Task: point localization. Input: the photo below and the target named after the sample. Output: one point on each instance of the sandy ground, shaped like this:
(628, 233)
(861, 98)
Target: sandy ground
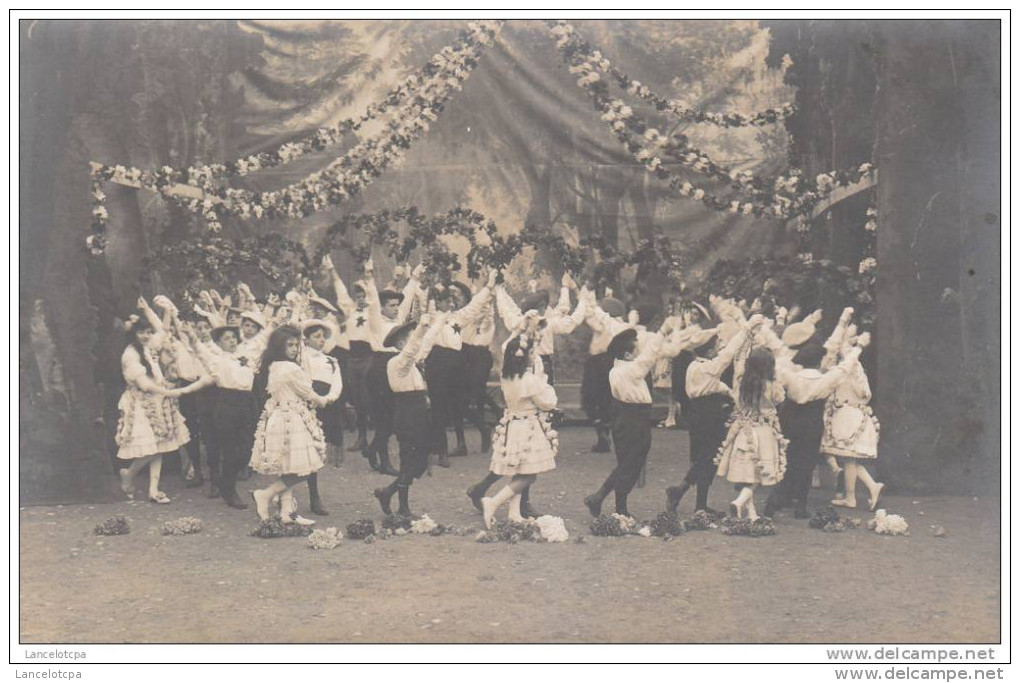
(224, 586)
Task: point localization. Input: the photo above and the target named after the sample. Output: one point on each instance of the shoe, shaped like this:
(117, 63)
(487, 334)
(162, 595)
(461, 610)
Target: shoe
(384, 496)
(771, 507)
(459, 452)
(843, 503)
(801, 513)
(873, 501)
(443, 460)
(476, 496)
(295, 518)
(601, 446)
(708, 511)
(673, 496)
(386, 468)
(234, 501)
(214, 490)
(315, 505)
(594, 505)
(529, 512)
(159, 498)
(195, 483)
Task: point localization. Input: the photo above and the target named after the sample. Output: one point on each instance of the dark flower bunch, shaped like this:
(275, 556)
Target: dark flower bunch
(613, 525)
(828, 520)
(763, 526)
(505, 531)
(667, 524)
(701, 521)
(361, 529)
(181, 527)
(395, 521)
(114, 526)
(275, 528)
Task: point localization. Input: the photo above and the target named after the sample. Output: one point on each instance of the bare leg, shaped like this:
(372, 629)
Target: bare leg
(155, 469)
(741, 500)
(874, 487)
(263, 496)
(850, 475)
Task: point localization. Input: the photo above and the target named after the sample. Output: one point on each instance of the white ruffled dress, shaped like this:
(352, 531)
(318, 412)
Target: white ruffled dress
(289, 438)
(851, 429)
(754, 450)
(524, 441)
(149, 423)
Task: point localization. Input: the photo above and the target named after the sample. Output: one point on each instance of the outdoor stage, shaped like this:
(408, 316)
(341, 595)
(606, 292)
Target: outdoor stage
(223, 586)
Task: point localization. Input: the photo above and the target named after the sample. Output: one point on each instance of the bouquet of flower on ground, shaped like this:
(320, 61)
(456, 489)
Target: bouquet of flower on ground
(114, 526)
(741, 526)
(275, 528)
(829, 520)
(181, 527)
(667, 525)
(361, 529)
(889, 525)
(325, 539)
(616, 524)
(546, 528)
(701, 520)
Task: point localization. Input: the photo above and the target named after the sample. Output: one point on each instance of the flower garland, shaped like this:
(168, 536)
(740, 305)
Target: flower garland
(781, 198)
(343, 178)
(565, 33)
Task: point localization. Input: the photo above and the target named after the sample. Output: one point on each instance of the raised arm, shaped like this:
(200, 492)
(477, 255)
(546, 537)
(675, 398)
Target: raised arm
(509, 312)
(476, 307)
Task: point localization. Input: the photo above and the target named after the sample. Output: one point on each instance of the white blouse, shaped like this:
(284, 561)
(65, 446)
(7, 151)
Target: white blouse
(627, 378)
(528, 393)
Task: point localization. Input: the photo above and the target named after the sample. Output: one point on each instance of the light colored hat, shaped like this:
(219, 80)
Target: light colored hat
(316, 299)
(255, 316)
(308, 325)
(798, 333)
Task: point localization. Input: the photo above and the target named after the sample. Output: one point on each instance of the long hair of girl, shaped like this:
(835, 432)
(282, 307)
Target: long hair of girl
(515, 359)
(758, 371)
(276, 350)
(132, 339)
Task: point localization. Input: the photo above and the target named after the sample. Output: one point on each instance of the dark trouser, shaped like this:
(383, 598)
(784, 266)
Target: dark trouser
(411, 423)
(235, 433)
(479, 365)
(381, 405)
(359, 361)
(707, 430)
(596, 396)
(330, 416)
(445, 377)
(632, 439)
(205, 412)
(802, 425)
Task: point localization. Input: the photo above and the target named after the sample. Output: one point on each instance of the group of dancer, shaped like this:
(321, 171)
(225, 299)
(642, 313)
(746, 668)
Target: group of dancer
(247, 385)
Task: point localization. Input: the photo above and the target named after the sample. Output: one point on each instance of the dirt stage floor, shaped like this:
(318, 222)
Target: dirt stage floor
(224, 586)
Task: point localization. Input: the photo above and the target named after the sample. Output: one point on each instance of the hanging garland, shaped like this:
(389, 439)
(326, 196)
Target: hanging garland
(565, 34)
(783, 197)
(210, 261)
(341, 179)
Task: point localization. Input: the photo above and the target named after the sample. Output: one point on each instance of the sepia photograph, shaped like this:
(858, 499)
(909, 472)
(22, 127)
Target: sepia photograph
(509, 329)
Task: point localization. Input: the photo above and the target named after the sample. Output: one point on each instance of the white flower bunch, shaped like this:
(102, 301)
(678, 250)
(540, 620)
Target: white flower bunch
(325, 539)
(890, 525)
(552, 528)
(867, 265)
(423, 525)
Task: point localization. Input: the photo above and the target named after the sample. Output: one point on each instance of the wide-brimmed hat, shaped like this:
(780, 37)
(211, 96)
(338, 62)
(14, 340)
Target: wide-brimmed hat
(255, 316)
(613, 306)
(316, 299)
(309, 326)
(622, 343)
(798, 333)
(398, 334)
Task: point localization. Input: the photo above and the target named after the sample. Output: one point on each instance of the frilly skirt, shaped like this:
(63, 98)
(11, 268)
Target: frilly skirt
(148, 424)
(754, 451)
(851, 431)
(524, 444)
(288, 440)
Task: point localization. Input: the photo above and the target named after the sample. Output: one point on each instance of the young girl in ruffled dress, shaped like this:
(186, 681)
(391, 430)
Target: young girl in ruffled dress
(289, 441)
(754, 451)
(524, 444)
(151, 422)
(851, 429)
